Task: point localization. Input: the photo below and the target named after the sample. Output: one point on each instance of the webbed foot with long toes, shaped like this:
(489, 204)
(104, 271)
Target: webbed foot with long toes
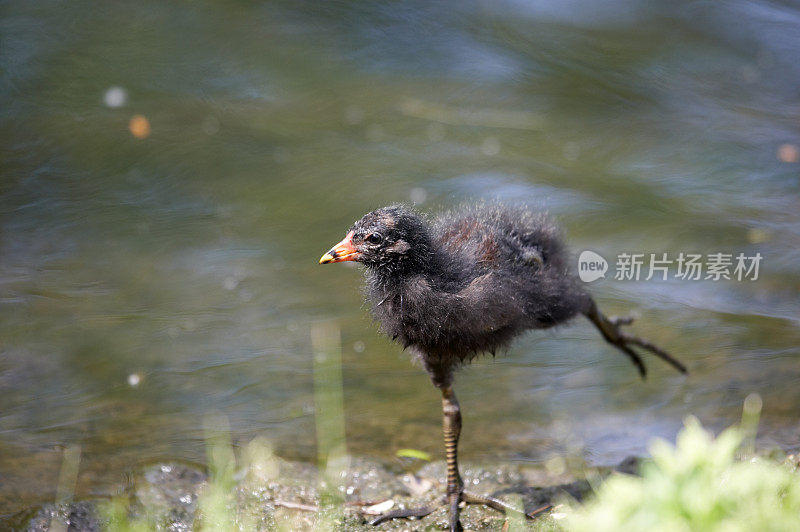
(611, 329)
(455, 496)
(454, 505)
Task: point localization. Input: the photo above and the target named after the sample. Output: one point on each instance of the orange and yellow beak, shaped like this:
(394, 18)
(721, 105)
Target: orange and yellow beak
(342, 251)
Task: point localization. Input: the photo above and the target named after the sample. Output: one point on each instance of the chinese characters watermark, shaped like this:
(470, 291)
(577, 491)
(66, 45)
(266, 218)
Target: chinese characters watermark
(662, 266)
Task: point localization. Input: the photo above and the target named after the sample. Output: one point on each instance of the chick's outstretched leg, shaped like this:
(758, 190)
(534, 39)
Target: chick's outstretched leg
(611, 329)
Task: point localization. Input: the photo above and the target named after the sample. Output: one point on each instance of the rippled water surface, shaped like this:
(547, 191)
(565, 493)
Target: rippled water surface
(158, 270)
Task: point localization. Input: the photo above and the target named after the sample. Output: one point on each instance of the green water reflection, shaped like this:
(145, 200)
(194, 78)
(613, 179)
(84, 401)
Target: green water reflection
(188, 259)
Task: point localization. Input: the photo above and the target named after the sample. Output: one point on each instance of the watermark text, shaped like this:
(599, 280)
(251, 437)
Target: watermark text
(663, 266)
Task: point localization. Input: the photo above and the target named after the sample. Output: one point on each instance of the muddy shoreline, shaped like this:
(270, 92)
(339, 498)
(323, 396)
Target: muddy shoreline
(285, 494)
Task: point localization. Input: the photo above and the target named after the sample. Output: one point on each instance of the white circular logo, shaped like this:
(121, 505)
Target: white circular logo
(591, 266)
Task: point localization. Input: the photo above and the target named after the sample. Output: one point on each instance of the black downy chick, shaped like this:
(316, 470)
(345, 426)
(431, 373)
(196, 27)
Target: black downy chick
(466, 284)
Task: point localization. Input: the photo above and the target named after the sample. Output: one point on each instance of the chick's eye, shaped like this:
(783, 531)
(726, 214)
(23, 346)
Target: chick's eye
(374, 238)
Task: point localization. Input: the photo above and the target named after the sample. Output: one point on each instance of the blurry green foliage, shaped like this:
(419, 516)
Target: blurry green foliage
(699, 484)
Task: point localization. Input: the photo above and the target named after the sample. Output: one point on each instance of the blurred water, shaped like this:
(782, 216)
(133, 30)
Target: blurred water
(185, 262)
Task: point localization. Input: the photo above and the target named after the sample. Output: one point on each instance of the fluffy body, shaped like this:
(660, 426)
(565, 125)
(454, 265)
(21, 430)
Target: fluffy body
(467, 282)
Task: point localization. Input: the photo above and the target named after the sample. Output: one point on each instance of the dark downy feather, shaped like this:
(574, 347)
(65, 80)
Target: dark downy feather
(468, 282)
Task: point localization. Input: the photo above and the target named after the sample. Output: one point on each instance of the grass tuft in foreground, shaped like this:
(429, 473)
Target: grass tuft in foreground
(701, 483)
